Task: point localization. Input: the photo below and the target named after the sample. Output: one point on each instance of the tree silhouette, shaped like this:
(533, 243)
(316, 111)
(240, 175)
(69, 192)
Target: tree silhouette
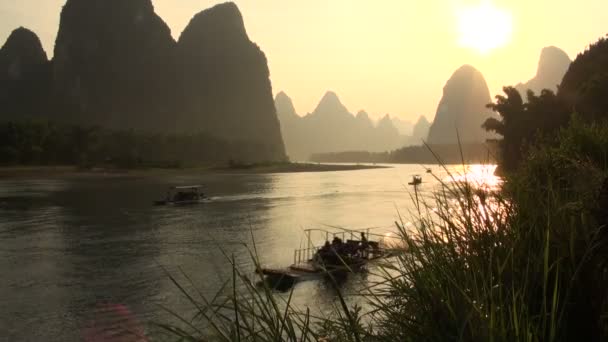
(512, 111)
(522, 123)
(585, 85)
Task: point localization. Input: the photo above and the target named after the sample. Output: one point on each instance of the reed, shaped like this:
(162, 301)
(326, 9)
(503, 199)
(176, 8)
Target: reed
(526, 263)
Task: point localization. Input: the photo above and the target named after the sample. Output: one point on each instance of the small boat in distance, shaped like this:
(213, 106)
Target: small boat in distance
(184, 195)
(416, 180)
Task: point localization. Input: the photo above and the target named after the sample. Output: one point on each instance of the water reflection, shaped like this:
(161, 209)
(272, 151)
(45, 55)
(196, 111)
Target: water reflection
(32, 293)
(69, 247)
(479, 176)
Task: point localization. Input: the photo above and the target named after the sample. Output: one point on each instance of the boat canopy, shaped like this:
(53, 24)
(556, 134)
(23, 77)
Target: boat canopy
(187, 187)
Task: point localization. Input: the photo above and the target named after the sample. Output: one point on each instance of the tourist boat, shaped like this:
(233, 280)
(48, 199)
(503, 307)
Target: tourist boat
(416, 180)
(184, 195)
(349, 251)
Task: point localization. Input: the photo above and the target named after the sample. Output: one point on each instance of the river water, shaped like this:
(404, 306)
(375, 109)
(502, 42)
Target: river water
(70, 246)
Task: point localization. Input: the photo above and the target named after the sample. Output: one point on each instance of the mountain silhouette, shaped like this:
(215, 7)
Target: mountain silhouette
(364, 121)
(552, 66)
(292, 127)
(24, 75)
(21, 51)
(331, 127)
(462, 109)
(421, 129)
(386, 127)
(113, 64)
(285, 108)
(405, 127)
(117, 65)
(226, 82)
(331, 108)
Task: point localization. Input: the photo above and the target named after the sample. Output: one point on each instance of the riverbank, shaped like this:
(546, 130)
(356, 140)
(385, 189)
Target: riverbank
(524, 262)
(294, 168)
(66, 171)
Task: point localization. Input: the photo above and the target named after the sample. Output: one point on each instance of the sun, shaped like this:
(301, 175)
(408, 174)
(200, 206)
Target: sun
(484, 27)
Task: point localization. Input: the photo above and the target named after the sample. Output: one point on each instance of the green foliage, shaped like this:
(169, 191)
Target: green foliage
(561, 189)
(32, 142)
(586, 141)
(585, 84)
(526, 263)
(48, 143)
(248, 310)
(583, 90)
(522, 123)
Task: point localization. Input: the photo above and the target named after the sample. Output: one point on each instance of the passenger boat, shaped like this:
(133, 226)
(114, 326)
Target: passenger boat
(349, 251)
(184, 195)
(416, 180)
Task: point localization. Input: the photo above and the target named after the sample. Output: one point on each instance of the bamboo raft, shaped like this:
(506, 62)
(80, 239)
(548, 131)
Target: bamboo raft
(305, 267)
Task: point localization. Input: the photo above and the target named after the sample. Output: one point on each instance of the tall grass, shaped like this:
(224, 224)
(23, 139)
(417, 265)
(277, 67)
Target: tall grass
(248, 309)
(527, 263)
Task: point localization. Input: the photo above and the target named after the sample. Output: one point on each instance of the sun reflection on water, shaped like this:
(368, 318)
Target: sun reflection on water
(478, 176)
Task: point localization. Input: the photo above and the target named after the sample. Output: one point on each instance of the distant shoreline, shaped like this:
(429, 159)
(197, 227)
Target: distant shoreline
(298, 167)
(63, 172)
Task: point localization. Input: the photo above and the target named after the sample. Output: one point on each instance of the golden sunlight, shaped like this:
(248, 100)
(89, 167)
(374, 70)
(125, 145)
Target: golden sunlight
(484, 27)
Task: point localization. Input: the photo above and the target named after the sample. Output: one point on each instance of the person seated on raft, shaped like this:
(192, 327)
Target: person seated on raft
(179, 196)
(336, 242)
(185, 196)
(326, 247)
(346, 252)
(363, 247)
(343, 250)
(331, 254)
(325, 250)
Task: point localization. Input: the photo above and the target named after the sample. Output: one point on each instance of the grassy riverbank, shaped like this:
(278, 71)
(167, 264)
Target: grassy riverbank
(527, 263)
(28, 172)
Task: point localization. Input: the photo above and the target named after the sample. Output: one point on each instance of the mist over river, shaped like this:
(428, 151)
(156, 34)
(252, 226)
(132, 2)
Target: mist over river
(69, 245)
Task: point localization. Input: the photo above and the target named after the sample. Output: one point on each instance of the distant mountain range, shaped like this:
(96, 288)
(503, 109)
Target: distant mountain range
(405, 127)
(463, 108)
(331, 127)
(421, 130)
(117, 65)
(552, 67)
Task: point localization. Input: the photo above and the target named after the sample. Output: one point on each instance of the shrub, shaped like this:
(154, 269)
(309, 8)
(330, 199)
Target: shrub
(526, 263)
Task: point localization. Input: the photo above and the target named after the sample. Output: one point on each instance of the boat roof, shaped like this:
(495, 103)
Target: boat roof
(185, 187)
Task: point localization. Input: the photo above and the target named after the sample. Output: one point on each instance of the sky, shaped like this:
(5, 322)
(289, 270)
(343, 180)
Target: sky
(382, 56)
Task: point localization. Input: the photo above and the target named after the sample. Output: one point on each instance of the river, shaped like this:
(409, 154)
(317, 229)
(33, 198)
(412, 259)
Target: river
(69, 245)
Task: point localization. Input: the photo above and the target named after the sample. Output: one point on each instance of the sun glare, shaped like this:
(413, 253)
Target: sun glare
(484, 27)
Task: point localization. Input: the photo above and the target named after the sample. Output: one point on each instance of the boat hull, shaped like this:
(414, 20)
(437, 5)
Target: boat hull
(181, 203)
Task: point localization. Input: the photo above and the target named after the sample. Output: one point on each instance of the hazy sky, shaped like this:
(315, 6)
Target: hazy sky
(384, 56)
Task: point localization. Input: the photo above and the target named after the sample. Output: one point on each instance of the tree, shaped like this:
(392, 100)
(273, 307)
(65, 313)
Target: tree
(522, 123)
(85, 140)
(512, 111)
(585, 85)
